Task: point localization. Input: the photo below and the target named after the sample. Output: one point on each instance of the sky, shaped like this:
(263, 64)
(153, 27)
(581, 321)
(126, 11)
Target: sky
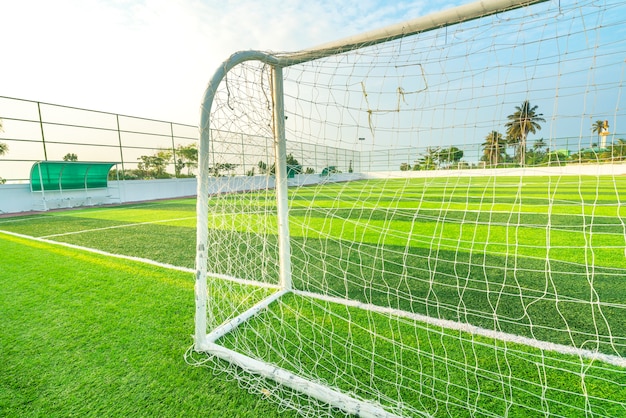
(153, 58)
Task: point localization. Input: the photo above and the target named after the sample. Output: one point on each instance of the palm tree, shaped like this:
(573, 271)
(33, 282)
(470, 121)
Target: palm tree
(494, 148)
(523, 121)
(539, 144)
(597, 128)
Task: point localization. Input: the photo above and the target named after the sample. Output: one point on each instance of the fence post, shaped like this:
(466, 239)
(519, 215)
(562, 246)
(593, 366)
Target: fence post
(43, 137)
(176, 175)
(119, 140)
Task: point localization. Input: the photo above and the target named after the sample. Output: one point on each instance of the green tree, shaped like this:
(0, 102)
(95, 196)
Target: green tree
(429, 160)
(155, 165)
(618, 149)
(186, 156)
(265, 169)
(494, 149)
(70, 156)
(537, 156)
(523, 121)
(218, 169)
(230, 168)
(293, 165)
(179, 164)
(540, 145)
(450, 156)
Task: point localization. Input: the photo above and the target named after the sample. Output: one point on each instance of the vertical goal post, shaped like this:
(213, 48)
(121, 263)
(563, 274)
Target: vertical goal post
(301, 291)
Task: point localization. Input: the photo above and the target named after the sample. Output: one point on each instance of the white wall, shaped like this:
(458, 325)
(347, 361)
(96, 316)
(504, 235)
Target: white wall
(615, 169)
(141, 190)
(307, 179)
(15, 198)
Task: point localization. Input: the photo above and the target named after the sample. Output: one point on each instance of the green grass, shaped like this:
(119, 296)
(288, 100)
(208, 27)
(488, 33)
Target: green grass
(434, 370)
(540, 257)
(88, 335)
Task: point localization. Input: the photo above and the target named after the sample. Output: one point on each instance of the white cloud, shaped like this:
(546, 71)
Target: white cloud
(152, 58)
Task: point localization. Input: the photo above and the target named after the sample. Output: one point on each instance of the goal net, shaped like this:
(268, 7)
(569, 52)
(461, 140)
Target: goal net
(423, 220)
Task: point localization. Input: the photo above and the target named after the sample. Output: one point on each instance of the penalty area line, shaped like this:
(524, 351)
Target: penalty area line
(117, 226)
(142, 260)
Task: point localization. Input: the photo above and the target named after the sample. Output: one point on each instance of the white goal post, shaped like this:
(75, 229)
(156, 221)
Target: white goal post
(377, 235)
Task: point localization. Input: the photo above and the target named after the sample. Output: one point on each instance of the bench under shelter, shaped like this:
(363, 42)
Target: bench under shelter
(66, 184)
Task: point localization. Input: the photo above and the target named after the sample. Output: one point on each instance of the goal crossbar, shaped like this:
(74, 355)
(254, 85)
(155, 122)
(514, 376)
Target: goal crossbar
(455, 15)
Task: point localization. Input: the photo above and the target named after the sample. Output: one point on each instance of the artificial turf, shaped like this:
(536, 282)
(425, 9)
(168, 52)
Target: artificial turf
(88, 335)
(536, 257)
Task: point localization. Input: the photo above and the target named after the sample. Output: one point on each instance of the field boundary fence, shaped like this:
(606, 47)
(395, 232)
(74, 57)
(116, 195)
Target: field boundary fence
(37, 131)
(148, 148)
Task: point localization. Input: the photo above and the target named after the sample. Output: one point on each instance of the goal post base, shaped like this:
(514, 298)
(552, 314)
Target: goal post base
(319, 391)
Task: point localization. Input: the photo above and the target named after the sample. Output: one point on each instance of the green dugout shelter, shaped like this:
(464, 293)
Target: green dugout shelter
(59, 176)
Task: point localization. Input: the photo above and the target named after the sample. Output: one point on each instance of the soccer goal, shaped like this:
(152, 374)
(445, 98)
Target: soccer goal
(423, 220)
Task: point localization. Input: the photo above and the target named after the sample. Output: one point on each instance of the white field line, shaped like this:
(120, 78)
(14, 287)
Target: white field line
(20, 219)
(100, 252)
(297, 208)
(443, 323)
(471, 329)
(142, 260)
(118, 226)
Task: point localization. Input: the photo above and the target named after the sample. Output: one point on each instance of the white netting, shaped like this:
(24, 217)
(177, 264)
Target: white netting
(456, 230)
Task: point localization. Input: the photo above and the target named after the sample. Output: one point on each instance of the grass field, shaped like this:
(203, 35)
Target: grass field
(86, 333)
(89, 335)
